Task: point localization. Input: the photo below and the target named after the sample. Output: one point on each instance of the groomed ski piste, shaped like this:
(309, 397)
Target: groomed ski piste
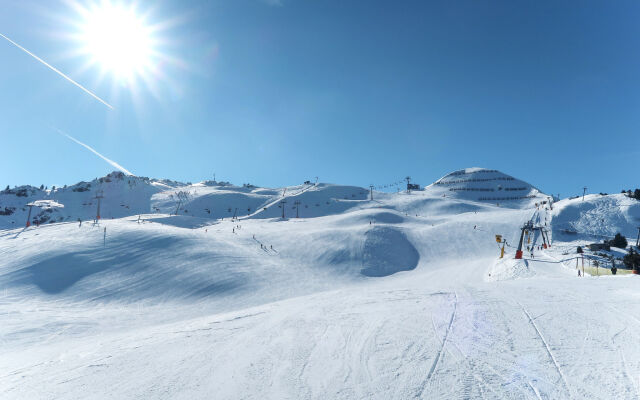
(396, 297)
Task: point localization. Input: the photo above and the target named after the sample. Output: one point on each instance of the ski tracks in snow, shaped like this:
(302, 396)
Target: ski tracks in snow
(549, 352)
(436, 361)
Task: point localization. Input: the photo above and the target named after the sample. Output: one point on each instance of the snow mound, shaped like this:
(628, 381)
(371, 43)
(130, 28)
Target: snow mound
(387, 251)
(375, 216)
(508, 269)
(597, 217)
(180, 221)
(486, 185)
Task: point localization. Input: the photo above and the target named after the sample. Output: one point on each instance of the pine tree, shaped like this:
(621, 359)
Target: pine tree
(618, 241)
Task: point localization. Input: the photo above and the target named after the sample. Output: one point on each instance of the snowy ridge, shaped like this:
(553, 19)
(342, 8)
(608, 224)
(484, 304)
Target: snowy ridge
(123, 196)
(130, 196)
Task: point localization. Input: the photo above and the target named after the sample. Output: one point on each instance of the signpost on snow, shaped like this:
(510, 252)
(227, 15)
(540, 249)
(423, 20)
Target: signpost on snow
(503, 242)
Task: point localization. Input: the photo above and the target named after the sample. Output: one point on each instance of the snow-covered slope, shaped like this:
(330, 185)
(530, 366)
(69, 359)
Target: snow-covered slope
(596, 217)
(399, 297)
(215, 201)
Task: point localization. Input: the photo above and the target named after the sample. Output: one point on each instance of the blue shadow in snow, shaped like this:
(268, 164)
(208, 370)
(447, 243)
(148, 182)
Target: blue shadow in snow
(129, 268)
(56, 274)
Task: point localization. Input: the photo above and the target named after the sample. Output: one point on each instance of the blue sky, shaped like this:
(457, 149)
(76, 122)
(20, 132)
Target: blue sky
(355, 92)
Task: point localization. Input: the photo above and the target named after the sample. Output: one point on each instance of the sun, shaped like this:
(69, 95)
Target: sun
(117, 39)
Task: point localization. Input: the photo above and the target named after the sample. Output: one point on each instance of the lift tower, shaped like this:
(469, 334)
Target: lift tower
(297, 203)
(29, 216)
(99, 197)
(529, 227)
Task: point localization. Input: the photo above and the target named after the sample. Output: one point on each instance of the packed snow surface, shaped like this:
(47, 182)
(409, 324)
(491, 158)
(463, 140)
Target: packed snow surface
(398, 297)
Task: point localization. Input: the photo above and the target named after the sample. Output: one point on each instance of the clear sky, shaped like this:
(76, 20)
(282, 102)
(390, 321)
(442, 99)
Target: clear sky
(356, 92)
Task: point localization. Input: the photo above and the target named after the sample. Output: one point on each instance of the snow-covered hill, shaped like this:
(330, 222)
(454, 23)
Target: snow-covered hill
(596, 217)
(402, 296)
(123, 196)
(486, 185)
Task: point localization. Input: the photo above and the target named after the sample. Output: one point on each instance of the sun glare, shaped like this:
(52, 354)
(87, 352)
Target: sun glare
(117, 39)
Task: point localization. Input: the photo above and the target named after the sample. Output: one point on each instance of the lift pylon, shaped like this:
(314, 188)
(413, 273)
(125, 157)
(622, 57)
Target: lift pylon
(29, 216)
(529, 229)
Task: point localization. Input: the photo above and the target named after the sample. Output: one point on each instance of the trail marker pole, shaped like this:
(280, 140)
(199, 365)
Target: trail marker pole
(105, 237)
